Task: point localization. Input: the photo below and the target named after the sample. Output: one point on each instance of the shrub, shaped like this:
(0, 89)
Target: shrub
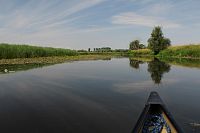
(141, 52)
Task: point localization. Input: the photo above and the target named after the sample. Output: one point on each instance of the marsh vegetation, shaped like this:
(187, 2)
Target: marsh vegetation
(11, 51)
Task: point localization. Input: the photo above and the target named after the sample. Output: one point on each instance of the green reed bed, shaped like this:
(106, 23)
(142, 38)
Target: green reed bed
(187, 51)
(8, 51)
(140, 52)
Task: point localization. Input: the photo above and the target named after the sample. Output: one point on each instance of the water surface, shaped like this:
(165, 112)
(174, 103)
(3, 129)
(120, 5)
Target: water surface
(104, 96)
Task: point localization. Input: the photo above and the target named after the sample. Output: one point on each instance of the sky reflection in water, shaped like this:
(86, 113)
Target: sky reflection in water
(95, 96)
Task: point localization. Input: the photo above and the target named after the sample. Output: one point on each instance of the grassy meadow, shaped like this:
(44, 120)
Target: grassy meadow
(10, 51)
(184, 51)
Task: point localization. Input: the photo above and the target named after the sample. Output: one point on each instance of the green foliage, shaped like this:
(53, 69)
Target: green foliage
(103, 49)
(134, 45)
(141, 52)
(121, 50)
(142, 46)
(157, 41)
(188, 51)
(82, 50)
(8, 51)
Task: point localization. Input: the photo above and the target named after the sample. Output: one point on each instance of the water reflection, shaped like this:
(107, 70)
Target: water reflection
(94, 96)
(190, 63)
(155, 67)
(108, 59)
(135, 63)
(19, 67)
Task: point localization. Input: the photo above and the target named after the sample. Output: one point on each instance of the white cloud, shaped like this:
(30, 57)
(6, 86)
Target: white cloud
(65, 23)
(133, 87)
(42, 22)
(132, 18)
(45, 15)
(157, 9)
(69, 11)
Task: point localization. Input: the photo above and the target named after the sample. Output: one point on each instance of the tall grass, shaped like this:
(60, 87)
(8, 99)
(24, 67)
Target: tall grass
(188, 51)
(141, 52)
(8, 51)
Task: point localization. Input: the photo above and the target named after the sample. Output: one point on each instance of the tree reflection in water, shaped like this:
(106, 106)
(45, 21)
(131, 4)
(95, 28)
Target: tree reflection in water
(157, 68)
(135, 63)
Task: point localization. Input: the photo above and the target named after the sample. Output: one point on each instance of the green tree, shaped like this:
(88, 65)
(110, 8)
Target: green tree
(142, 46)
(134, 45)
(157, 41)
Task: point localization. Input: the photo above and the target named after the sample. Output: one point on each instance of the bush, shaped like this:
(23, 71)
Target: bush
(141, 52)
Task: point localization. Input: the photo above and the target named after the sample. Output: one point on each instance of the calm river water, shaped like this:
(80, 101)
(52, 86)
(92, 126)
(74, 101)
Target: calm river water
(104, 96)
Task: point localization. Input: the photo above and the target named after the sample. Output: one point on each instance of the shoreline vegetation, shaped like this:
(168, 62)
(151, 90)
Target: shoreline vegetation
(185, 51)
(55, 59)
(183, 62)
(11, 51)
(25, 54)
(22, 64)
(158, 47)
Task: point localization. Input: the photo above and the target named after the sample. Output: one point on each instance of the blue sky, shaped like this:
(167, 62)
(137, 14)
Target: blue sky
(80, 24)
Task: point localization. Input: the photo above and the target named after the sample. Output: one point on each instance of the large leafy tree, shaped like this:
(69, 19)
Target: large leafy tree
(157, 41)
(134, 45)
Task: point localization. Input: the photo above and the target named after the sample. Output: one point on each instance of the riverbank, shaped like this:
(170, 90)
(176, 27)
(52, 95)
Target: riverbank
(55, 59)
(184, 62)
(24, 54)
(186, 51)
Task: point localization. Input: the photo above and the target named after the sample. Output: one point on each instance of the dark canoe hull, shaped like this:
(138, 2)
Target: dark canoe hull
(156, 106)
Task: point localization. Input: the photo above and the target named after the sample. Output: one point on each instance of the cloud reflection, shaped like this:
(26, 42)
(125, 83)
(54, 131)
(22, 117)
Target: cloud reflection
(134, 87)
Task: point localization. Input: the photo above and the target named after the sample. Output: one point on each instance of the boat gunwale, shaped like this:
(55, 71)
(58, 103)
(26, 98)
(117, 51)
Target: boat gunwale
(154, 100)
